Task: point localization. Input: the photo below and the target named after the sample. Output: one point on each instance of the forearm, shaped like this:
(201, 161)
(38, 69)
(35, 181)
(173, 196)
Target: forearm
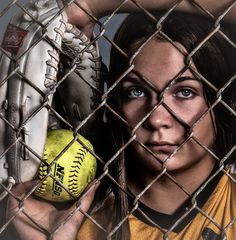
(77, 11)
(219, 7)
(102, 8)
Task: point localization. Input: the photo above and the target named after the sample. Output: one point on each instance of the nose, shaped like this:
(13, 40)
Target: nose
(159, 118)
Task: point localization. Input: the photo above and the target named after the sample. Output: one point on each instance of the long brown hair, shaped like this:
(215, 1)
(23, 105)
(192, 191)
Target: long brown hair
(215, 61)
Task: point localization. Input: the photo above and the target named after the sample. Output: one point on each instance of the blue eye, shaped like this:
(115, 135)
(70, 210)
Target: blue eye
(135, 93)
(185, 93)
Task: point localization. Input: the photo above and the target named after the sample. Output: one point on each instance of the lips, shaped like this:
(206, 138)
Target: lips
(161, 147)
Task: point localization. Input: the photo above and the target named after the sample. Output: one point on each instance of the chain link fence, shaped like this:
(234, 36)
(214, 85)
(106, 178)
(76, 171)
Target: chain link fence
(115, 134)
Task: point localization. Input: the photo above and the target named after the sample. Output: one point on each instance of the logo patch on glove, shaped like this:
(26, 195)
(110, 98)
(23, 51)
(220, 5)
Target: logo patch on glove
(13, 38)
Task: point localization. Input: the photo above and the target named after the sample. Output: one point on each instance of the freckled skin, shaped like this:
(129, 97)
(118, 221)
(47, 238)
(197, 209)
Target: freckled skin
(160, 62)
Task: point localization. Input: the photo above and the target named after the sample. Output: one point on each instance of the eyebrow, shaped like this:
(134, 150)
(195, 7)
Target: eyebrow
(137, 77)
(185, 78)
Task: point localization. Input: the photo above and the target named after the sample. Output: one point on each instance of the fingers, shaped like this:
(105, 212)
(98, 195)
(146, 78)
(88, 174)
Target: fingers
(83, 205)
(74, 216)
(89, 194)
(62, 224)
(80, 18)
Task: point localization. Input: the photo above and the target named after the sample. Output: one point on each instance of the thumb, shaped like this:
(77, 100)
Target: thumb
(70, 223)
(78, 210)
(84, 203)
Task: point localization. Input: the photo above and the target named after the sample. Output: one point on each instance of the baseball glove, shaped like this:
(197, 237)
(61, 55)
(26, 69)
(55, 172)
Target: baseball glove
(38, 48)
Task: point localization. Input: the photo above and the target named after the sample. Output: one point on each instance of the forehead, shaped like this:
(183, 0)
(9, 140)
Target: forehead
(160, 62)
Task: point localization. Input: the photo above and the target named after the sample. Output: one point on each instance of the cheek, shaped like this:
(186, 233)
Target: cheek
(204, 131)
(189, 111)
(196, 116)
(133, 113)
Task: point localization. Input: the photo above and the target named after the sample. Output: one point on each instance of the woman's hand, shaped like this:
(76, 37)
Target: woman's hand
(80, 13)
(46, 215)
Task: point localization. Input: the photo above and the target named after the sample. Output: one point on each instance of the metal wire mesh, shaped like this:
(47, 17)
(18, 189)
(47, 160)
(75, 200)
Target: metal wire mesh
(106, 119)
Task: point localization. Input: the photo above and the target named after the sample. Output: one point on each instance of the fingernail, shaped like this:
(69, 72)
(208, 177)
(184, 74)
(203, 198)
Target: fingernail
(93, 185)
(97, 184)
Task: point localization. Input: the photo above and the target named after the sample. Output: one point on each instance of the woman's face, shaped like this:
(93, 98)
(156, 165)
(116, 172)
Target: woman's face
(159, 62)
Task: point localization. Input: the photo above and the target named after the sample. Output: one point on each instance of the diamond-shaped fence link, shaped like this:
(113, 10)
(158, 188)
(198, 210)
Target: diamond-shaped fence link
(159, 117)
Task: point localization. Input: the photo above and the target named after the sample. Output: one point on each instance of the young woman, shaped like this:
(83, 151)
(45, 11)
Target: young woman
(173, 171)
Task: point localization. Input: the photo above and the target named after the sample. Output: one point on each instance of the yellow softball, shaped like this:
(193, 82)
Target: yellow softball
(71, 172)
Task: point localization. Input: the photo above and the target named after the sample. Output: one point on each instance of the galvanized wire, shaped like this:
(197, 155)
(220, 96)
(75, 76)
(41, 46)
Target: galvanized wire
(106, 164)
